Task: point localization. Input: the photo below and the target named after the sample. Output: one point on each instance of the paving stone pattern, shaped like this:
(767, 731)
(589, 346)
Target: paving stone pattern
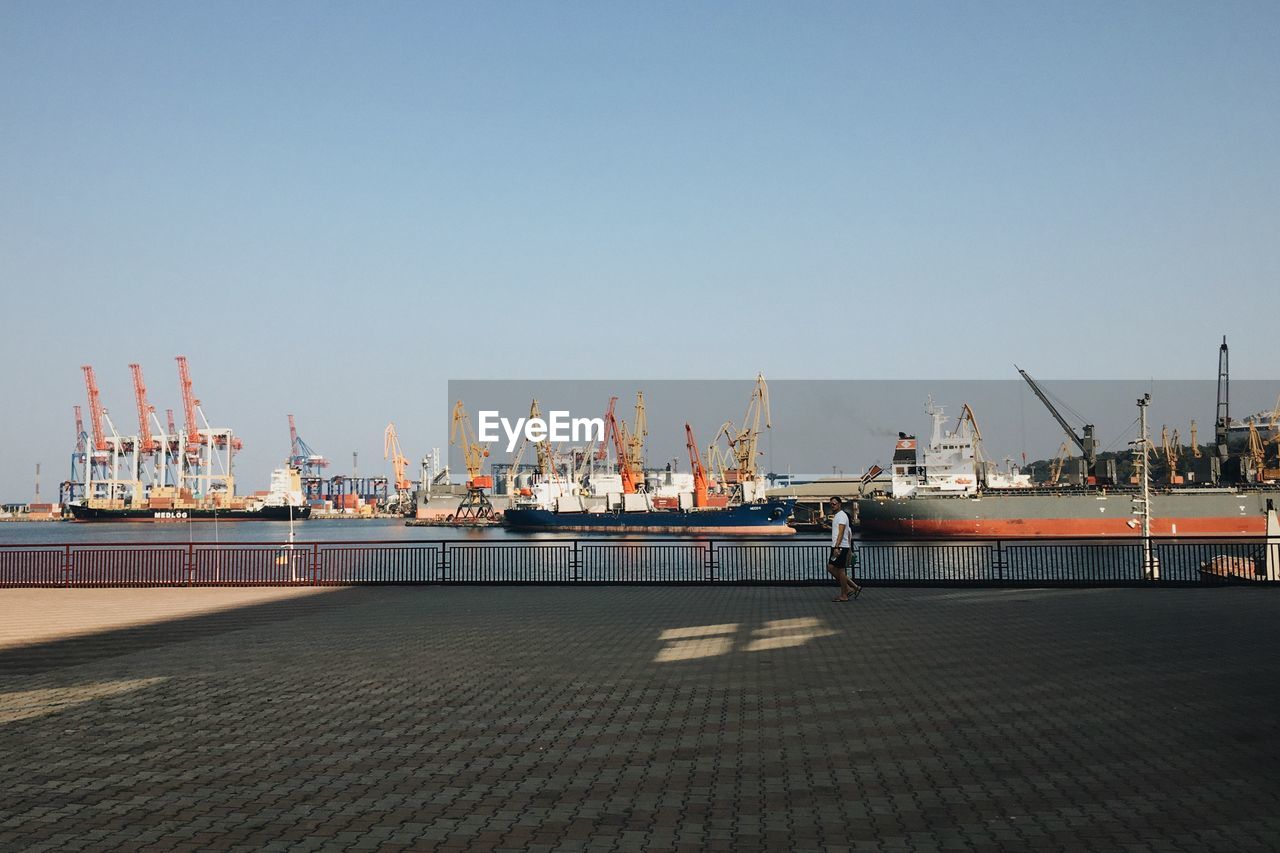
(656, 718)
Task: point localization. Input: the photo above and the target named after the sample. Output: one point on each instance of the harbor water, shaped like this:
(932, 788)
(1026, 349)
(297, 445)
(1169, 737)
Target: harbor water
(655, 558)
(326, 530)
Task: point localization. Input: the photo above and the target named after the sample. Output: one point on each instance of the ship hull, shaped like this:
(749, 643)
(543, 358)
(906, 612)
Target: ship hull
(768, 518)
(80, 512)
(1204, 513)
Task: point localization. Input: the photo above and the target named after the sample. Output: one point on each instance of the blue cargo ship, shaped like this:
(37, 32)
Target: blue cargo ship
(765, 517)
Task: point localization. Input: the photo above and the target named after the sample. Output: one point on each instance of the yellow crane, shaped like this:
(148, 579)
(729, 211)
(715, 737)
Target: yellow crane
(634, 440)
(391, 451)
(475, 507)
(1257, 450)
(1171, 448)
(1274, 473)
(546, 456)
(1055, 467)
(718, 462)
(1195, 443)
(744, 443)
(462, 436)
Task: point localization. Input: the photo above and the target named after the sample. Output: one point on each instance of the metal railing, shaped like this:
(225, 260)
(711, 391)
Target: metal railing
(739, 560)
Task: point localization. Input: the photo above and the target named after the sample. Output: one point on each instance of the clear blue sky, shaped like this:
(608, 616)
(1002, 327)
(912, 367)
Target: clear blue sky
(334, 208)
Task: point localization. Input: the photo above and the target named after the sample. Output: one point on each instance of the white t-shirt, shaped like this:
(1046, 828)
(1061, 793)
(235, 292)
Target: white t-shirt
(847, 540)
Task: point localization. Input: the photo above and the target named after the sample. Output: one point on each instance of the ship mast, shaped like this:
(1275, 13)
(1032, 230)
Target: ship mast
(1142, 502)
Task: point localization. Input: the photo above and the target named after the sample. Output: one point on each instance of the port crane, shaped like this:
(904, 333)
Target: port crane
(635, 441)
(189, 405)
(718, 462)
(208, 451)
(546, 455)
(1171, 449)
(475, 507)
(744, 442)
(1273, 473)
(1257, 452)
(618, 433)
(73, 488)
(581, 464)
(602, 452)
(301, 457)
(1084, 439)
(146, 444)
(695, 465)
(102, 473)
(173, 446)
(391, 451)
(155, 450)
(95, 409)
(1055, 467)
(113, 462)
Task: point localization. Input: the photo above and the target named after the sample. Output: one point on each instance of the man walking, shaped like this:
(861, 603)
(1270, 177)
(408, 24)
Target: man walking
(841, 548)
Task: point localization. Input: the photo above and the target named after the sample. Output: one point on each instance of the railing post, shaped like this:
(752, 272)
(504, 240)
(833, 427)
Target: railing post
(189, 569)
(66, 565)
(315, 563)
(575, 562)
(999, 560)
(1150, 561)
(444, 561)
(711, 560)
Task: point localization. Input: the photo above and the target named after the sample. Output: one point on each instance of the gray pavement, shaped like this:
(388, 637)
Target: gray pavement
(655, 718)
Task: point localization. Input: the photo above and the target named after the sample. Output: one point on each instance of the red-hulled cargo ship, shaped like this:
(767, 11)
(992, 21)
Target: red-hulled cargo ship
(1062, 513)
(956, 494)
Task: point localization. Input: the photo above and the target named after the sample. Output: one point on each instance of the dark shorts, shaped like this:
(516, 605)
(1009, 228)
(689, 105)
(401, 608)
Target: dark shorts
(841, 560)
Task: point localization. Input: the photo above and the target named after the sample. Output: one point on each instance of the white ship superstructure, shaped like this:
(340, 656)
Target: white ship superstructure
(952, 464)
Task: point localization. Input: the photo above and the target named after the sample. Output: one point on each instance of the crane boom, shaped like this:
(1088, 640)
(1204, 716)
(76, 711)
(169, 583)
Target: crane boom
(301, 456)
(1257, 451)
(95, 408)
(81, 438)
(602, 452)
(546, 456)
(635, 440)
(189, 404)
(744, 442)
(146, 443)
(1053, 410)
(473, 452)
(1086, 442)
(618, 432)
(391, 450)
(695, 464)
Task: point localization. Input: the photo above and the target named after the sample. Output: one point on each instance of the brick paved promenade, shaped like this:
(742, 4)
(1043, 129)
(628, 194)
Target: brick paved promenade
(645, 718)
